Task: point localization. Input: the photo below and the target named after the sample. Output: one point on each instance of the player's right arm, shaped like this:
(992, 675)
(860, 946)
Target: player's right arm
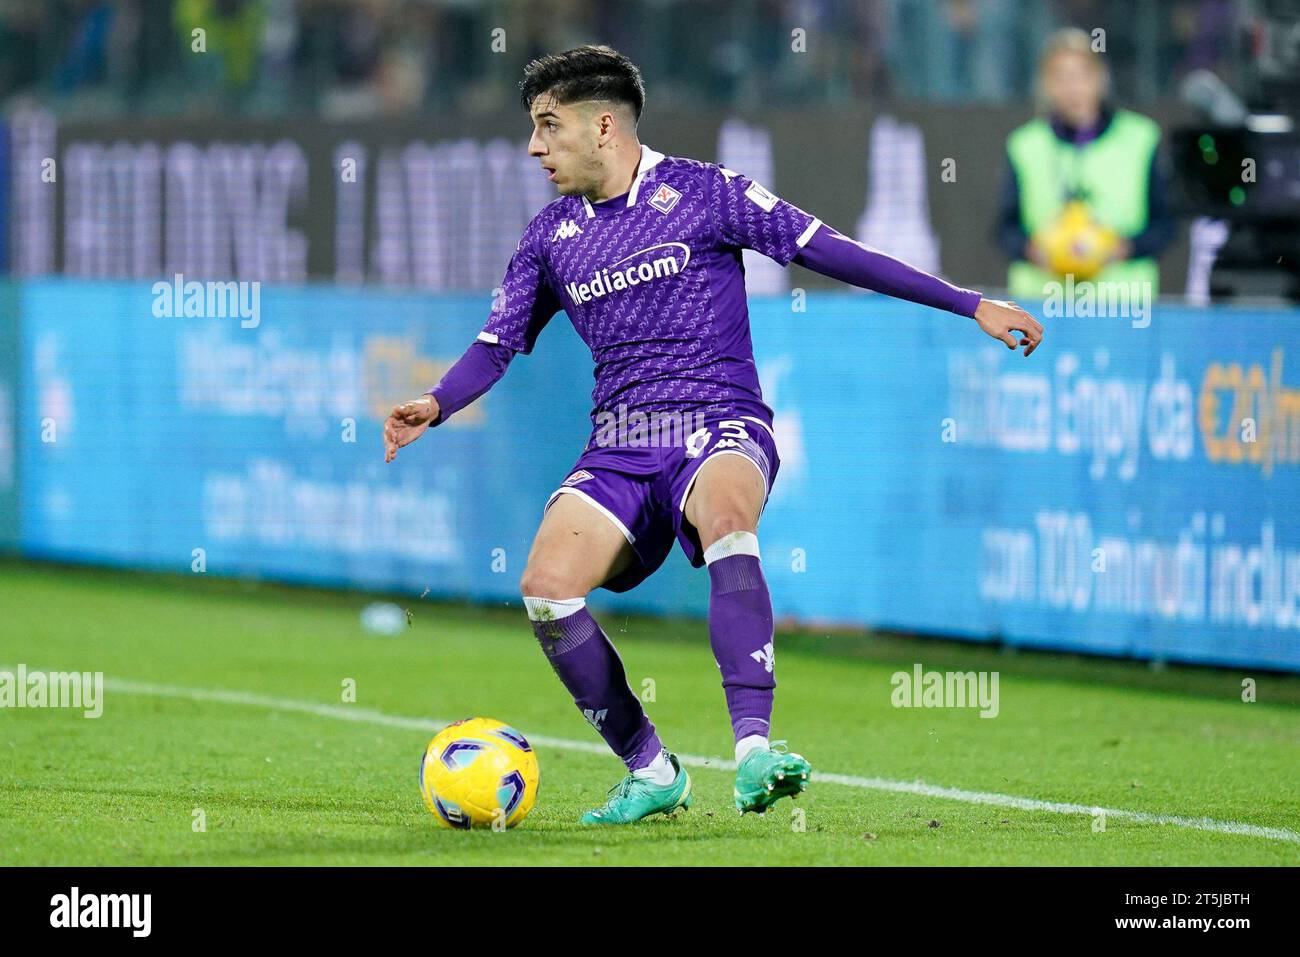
(473, 374)
(522, 307)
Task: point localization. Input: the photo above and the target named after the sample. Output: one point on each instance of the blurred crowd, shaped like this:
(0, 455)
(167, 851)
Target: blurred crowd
(351, 58)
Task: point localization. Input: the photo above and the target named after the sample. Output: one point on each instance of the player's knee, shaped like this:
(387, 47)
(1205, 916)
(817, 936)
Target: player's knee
(538, 581)
(724, 521)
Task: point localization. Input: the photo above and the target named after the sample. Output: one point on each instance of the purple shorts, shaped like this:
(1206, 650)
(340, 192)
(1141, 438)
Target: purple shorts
(643, 490)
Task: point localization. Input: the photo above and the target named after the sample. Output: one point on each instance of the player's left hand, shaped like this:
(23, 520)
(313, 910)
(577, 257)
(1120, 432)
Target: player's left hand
(1002, 320)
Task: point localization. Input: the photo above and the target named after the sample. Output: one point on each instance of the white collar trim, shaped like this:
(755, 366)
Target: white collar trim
(649, 160)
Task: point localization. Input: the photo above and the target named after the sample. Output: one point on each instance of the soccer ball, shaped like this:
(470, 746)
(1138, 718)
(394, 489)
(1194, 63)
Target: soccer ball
(1076, 243)
(479, 773)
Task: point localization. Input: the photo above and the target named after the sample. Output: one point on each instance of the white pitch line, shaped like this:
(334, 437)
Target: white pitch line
(368, 716)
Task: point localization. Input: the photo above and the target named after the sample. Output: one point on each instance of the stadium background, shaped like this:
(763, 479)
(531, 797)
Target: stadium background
(364, 163)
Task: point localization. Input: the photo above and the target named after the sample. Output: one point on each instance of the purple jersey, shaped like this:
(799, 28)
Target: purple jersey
(653, 283)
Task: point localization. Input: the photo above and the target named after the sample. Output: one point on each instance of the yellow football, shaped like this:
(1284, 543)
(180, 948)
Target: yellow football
(479, 773)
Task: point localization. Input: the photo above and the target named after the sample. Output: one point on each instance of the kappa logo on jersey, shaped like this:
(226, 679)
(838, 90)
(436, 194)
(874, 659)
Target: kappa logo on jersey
(760, 197)
(567, 230)
(665, 198)
(597, 718)
(766, 657)
(579, 476)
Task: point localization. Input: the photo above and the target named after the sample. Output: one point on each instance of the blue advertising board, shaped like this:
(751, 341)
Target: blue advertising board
(1130, 489)
(9, 366)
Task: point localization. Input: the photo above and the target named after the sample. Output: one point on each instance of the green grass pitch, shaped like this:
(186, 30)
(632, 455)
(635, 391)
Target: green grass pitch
(225, 698)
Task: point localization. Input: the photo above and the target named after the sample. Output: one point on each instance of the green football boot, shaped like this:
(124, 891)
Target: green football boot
(766, 775)
(632, 798)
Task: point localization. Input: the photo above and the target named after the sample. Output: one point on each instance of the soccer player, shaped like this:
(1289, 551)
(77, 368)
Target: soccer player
(643, 252)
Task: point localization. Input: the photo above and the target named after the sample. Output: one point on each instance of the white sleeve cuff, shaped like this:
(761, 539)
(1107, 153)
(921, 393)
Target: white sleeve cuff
(807, 234)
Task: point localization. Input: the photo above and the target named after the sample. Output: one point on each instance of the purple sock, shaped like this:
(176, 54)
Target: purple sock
(585, 660)
(740, 631)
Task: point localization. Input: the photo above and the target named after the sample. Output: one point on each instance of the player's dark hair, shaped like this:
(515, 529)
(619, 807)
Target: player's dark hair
(584, 73)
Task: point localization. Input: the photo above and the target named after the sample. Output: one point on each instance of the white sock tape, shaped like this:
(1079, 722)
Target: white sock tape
(552, 609)
(736, 543)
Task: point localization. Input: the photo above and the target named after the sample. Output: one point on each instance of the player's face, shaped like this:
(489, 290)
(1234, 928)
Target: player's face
(1073, 85)
(565, 141)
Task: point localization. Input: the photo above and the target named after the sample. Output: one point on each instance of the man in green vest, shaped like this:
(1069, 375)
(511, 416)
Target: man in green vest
(1082, 156)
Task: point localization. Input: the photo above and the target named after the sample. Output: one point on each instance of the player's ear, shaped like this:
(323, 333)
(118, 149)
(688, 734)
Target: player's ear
(606, 126)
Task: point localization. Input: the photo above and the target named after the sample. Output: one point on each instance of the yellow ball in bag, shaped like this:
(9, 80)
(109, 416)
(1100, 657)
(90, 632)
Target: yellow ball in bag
(1075, 243)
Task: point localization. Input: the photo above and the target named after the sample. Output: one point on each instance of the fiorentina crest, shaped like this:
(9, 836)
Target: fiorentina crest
(665, 198)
